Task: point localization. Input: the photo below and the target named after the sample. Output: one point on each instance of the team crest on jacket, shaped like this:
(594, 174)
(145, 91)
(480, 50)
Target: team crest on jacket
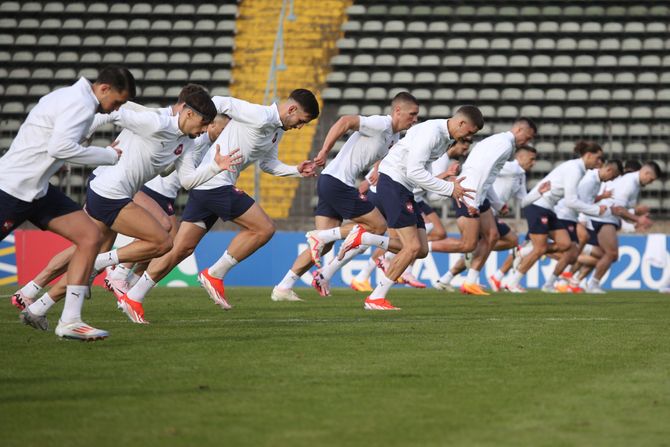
(179, 149)
(544, 220)
(409, 207)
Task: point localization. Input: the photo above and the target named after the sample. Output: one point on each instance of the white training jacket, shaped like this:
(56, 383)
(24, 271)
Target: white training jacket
(49, 137)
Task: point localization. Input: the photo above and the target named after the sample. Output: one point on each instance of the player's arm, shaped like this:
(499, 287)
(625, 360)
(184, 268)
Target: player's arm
(416, 161)
(69, 128)
(572, 200)
(535, 193)
(242, 111)
(191, 174)
(347, 123)
(271, 164)
(494, 199)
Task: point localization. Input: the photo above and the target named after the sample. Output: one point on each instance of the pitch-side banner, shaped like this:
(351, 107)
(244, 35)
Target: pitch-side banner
(644, 262)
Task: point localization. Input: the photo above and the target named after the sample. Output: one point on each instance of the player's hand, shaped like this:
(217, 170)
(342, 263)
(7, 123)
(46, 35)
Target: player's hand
(641, 210)
(115, 146)
(229, 161)
(374, 177)
(363, 187)
(644, 222)
(606, 194)
(603, 210)
(321, 157)
(544, 187)
(452, 169)
(472, 211)
(504, 211)
(307, 168)
(461, 192)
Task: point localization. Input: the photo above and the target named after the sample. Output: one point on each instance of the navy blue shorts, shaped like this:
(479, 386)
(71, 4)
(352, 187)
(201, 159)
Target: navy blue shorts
(425, 208)
(103, 209)
(372, 197)
(462, 211)
(13, 211)
(503, 228)
(593, 237)
(541, 220)
(208, 205)
(597, 226)
(166, 203)
(397, 204)
(339, 200)
(571, 227)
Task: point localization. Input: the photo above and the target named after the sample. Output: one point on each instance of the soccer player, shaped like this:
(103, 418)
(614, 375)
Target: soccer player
(476, 221)
(402, 170)
(625, 193)
(256, 130)
(540, 214)
(49, 137)
(339, 199)
(152, 142)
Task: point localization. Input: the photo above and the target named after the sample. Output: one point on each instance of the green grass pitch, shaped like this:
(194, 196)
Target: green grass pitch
(517, 370)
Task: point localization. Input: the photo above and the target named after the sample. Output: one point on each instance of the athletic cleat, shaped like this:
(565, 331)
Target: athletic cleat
(495, 284)
(133, 309)
(321, 284)
(596, 290)
(315, 247)
(664, 290)
(361, 286)
(80, 331)
(37, 321)
(118, 287)
(514, 289)
(566, 275)
(439, 285)
(214, 288)
(284, 295)
(378, 304)
(473, 289)
(411, 281)
(575, 288)
(353, 240)
(549, 288)
(20, 301)
(562, 288)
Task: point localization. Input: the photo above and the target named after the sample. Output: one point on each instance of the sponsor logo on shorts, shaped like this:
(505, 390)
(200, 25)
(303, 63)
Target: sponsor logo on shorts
(409, 207)
(179, 149)
(238, 190)
(7, 225)
(571, 228)
(170, 208)
(544, 220)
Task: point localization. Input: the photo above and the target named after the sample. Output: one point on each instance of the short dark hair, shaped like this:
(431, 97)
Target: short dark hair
(632, 165)
(526, 148)
(473, 114)
(306, 100)
(529, 122)
(587, 147)
(187, 90)
(200, 102)
(617, 162)
(404, 97)
(119, 78)
(653, 165)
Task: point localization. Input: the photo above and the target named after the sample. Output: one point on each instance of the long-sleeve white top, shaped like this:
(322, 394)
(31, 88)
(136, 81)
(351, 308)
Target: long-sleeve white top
(510, 182)
(256, 130)
(482, 166)
(564, 184)
(370, 143)
(408, 163)
(625, 192)
(587, 190)
(49, 137)
(150, 142)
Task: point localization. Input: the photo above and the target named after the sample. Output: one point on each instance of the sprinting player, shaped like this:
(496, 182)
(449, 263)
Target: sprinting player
(402, 170)
(540, 214)
(48, 138)
(587, 191)
(152, 142)
(443, 168)
(256, 130)
(510, 182)
(476, 222)
(625, 193)
(339, 199)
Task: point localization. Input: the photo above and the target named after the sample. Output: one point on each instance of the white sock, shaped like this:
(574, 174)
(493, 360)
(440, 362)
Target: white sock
(408, 269)
(594, 282)
(42, 306)
(140, 290)
(133, 278)
(365, 273)
(498, 275)
(31, 289)
(430, 246)
(588, 248)
(221, 267)
(329, 235)
(289, 280)
(526, 249)
(389, 255)
(551, 280)
(446, 278)
(383, 287)
(473, 276)
(429, 227)
(74, 300)
(376, 240)
(333, 266)
(105, 260)
(120, 273)
(515, 279)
